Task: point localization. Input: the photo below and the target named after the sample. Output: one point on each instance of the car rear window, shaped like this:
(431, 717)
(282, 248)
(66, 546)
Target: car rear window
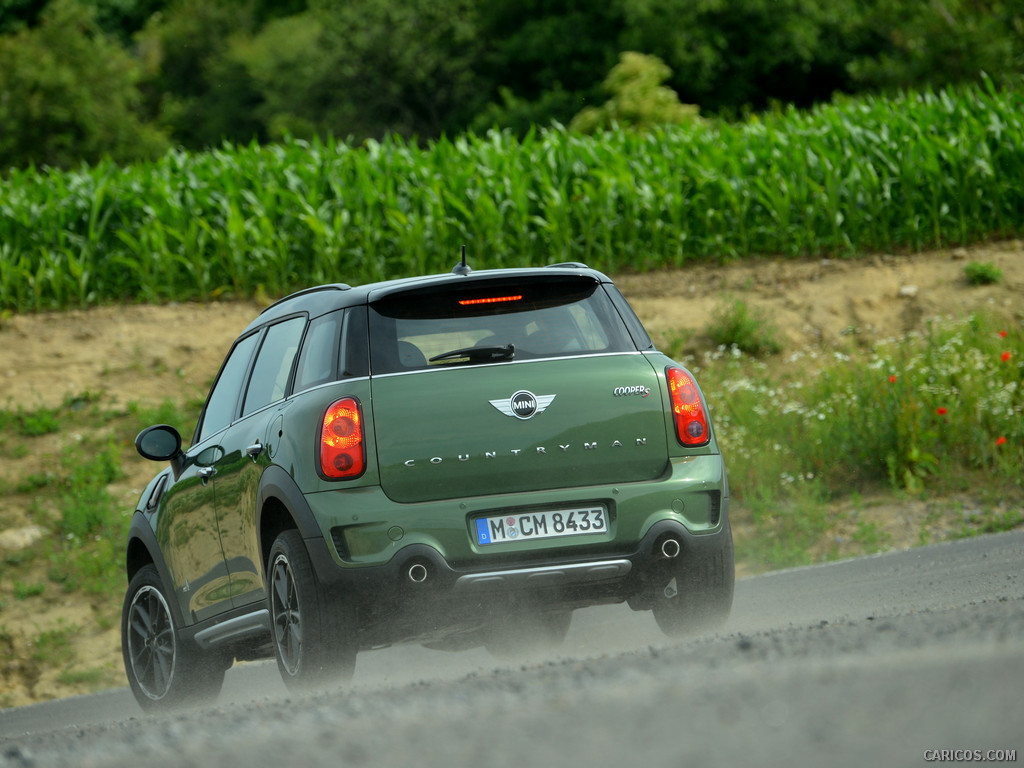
(541, 318)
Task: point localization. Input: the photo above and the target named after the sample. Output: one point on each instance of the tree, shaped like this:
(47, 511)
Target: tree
(68, 93)
(946, 41)
(405, 66)
(748, 53)
(18, 14)
(638, 98)
(543, 58)
(194, 88)
(123, 18)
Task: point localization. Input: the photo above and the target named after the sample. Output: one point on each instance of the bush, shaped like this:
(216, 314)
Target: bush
(638, 98)
(982, 273)
(749, 330)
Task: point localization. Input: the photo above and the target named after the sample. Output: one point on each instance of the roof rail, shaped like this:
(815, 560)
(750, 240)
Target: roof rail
(568, 265)
(315, 289)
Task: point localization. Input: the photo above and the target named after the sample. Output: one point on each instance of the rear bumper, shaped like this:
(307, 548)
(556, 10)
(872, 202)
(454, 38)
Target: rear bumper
(415, 569)
(363, 527)
(419, 596)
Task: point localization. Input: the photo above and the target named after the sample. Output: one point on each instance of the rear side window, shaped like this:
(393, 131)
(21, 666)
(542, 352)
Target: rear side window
(269, 380)
(335, 348)
(319, 351)
(636, 328)
(540, 318)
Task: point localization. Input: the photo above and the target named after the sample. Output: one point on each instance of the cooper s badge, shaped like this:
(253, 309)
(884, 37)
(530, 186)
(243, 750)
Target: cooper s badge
(523, 404)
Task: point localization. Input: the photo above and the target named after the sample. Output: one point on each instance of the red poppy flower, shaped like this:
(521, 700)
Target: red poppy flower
(1000, 441)
(941, 411)
(892, 379)
(1005, 356)
(1002, 334)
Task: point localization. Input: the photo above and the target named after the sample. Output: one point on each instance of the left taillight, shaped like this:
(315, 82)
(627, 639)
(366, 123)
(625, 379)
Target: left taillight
(342, 453)
(690, 417)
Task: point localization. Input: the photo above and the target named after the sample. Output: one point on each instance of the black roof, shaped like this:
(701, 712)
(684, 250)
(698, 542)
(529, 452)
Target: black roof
(327, 298)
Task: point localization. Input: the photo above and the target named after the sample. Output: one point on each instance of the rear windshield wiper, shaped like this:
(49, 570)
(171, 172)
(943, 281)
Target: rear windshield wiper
(478, 354)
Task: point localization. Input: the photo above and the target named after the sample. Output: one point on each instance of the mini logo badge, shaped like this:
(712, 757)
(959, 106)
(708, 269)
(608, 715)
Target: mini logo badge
(523, 404)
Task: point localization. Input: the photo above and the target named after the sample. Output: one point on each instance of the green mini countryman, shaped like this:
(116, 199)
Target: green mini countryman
(454, 460)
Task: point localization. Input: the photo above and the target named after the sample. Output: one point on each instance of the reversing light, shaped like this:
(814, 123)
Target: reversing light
(341, 441)
(687, 408)
(489, 300)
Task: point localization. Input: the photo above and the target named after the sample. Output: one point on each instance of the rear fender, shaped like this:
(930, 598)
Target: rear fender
(280, 495)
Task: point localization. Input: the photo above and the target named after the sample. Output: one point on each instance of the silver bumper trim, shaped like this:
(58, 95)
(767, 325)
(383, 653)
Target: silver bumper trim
(549, 575)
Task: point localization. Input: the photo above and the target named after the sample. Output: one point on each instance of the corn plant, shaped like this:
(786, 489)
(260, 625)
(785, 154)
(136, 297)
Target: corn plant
(916, 170)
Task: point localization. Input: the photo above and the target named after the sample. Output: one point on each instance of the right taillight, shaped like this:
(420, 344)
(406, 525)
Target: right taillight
(341, 441)
(687, 408)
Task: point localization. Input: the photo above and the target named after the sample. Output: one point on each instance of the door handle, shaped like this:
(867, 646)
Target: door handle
(206, 473)
(254, 450)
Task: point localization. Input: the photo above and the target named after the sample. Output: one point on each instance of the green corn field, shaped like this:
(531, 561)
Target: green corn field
(913, 171)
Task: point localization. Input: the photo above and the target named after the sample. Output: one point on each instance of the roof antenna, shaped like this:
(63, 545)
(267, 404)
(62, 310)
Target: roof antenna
(463, 268)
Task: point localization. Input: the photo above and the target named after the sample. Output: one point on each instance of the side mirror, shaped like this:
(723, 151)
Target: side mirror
(161, 443)
(158, 443)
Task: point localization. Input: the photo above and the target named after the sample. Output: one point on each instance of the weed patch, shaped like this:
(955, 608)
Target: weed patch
(748, 330)
(982, 273)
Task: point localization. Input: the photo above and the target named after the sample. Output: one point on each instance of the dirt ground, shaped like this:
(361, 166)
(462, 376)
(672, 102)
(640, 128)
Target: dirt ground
(142, 353)
(147, 353)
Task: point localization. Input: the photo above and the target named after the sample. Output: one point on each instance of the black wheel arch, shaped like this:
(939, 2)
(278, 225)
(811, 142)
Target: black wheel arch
(143, 549)
(282, 506)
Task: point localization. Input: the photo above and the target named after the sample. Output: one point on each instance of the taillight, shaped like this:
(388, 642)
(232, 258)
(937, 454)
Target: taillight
(341, 441)
(687, 408)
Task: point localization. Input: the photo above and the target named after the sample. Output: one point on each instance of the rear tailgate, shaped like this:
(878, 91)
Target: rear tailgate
(518, 426)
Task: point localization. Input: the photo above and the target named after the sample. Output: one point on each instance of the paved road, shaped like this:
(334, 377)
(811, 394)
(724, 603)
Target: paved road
(868, 661)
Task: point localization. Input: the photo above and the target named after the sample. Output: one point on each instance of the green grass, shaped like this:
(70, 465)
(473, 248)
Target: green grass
(913, 414)
(71, 498)
(92, 678)
(916, 170)
(924, 415)
(871, 537)
(167, 412)
(788, 525)
(30, 423)
(749, 330)
(23, 591)
(55, 647)
(983, 273)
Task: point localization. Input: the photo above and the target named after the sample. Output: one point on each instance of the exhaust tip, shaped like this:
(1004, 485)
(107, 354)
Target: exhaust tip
(670, 547)
(417, 573)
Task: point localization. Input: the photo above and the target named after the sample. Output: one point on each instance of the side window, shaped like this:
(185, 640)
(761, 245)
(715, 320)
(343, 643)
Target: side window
(319, 352)
(355, 353)
(636, 329)
(274, 364)
(223, 400)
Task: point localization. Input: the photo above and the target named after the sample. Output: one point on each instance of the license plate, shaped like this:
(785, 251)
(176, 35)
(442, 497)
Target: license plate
(547, 524)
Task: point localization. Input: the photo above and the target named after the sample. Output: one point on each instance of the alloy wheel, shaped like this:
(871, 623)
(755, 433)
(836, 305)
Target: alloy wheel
(286, 615)
(151, 647)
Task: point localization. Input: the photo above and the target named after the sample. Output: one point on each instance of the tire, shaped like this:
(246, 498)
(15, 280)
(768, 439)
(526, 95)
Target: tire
(163, 671)
(519, 634)
(697, 597)
(314, 639)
